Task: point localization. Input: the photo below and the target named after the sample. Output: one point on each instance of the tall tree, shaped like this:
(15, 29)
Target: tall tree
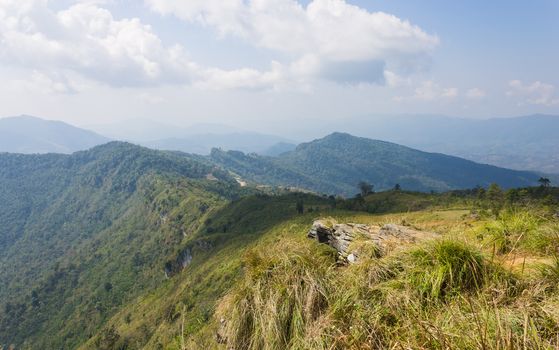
(365, 188)
(544, 182)
(496, 198)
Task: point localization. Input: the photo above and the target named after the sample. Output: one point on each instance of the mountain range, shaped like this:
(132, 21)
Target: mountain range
(27, 134)
(337, 163)
(522, 143)
(124, 247)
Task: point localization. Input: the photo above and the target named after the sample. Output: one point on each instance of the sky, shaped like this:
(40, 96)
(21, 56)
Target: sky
(262, 64)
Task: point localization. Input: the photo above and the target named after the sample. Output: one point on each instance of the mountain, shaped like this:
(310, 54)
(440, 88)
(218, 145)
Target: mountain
(197, 138)
(522, 143)
(83, 234)
(279, 148)
(338, 162)
(27, 134)
(203, 143)
(123, 247)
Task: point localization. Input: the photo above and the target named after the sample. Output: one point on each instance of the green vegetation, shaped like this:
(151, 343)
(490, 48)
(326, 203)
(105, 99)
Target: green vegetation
(337, 163)
(264, 285)
(452, 292)
(121, 247)
(82, 235)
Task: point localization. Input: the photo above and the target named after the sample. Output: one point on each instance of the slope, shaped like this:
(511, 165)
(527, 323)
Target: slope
(336, 163)
(265, 285)
(81, 234)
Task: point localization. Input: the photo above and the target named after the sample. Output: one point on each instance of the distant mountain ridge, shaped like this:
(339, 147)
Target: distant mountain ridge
(521, 143)
(336, 163)
(26, 134)
(202, 144)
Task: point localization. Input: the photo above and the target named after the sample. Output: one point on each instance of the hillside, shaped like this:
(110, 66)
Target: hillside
(523, 143)
(338, 162)
(123, 247)
(266, 285)
(83, 234)
(27, 134)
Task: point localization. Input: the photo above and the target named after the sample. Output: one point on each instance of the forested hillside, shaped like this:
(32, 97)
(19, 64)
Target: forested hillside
(85, 233)
(265, 284)
(338, 162)
(122, 247)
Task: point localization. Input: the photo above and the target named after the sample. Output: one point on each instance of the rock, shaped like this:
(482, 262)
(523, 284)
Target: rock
(385, 238)
(185, 258)
(338, 236)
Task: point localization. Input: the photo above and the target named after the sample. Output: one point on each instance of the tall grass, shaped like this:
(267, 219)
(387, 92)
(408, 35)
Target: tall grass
(439, 295)
(445, 268)
(284, 290)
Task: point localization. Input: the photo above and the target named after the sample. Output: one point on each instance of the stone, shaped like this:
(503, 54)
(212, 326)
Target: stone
(340, 237)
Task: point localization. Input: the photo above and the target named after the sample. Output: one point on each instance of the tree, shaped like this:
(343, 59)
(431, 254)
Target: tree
(544, 182)
(496, 198)
(397, 187)
(365, 188)
(300, 207)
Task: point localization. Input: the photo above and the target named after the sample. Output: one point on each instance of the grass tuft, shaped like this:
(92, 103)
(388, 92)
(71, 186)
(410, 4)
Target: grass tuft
(284, 289)
(445, 268)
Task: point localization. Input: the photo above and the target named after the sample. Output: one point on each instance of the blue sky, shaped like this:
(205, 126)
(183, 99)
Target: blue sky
(262, 63)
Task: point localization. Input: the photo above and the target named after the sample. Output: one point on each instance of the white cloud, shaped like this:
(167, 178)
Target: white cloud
(345, 43)
(86, 38)
(430, 91)
(394, 80)
(327, 39)
(536, 93)
(475, 93)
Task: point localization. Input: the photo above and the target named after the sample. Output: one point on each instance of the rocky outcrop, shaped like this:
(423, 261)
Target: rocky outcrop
(184, 257)
(343, 237)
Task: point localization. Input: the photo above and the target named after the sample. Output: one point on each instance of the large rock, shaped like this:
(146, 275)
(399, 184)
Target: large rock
(385, 238)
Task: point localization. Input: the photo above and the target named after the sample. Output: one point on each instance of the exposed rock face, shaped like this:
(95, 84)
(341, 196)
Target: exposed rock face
(341, 237)
(184, 258)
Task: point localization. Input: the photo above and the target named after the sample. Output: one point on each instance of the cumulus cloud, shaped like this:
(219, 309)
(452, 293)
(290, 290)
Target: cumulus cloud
(336, 40)
(326, 39)
(536, 93)
(86, 38)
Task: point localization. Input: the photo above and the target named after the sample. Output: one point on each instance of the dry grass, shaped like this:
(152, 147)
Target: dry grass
(443, 294)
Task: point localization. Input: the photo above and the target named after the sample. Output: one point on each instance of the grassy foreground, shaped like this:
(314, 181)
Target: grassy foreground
(487, 283)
